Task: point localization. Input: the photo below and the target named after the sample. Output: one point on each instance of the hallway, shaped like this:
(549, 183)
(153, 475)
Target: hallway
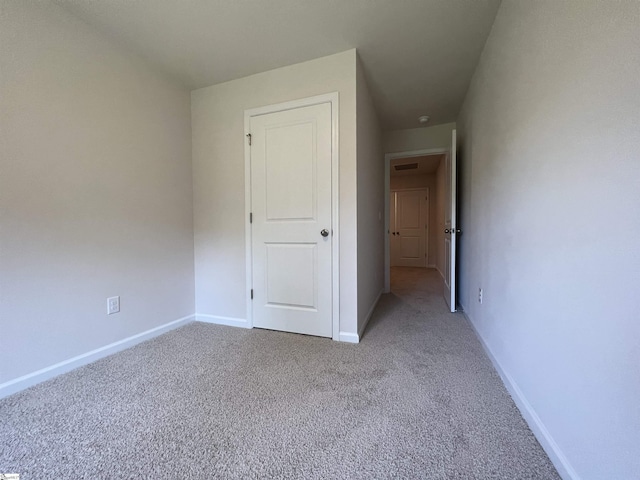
(419, 283)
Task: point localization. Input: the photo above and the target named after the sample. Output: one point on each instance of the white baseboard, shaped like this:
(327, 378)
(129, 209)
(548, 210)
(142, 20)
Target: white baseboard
(439, 271)
(228, 321)
(348, 337)
(369, 314)
(30, 379)
(564, 468)
(432, 265)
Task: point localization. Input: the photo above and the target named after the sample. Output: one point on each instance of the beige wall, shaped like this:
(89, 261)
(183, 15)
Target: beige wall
(413, 181)
(423, 181)
(95, 191)
(438, 136)
(370, 201)
(219, 183)
(550, 150)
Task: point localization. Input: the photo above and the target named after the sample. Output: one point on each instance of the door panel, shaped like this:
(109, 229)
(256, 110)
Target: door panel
(411, 247)
(291, 185)
(409, 227)
(291, 274)
(450, 227)
(409, 214)
(291, 205)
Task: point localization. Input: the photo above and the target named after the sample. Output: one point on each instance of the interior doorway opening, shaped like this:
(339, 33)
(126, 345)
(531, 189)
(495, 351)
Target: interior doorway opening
(414, 211)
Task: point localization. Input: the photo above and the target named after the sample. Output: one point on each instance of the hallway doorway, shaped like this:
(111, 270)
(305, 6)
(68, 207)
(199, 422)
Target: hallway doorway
(435, 172)
(415, 211)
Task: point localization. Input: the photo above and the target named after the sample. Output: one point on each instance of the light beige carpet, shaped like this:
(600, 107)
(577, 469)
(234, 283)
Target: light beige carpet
(417, 398)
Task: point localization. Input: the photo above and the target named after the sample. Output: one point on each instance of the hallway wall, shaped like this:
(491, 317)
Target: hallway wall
(438, 136)
(550, 189)
(370, 199)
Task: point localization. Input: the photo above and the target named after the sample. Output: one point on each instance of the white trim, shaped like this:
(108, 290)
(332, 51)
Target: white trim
(387, 188)
(335, 217)
(348, 337)
(369, 314)
(408, 189)
(292, 104)
(439, 271)
(432, 265)
(218, 320)
(247, 223)
(564, 468)
(30, 379)
(333, 99)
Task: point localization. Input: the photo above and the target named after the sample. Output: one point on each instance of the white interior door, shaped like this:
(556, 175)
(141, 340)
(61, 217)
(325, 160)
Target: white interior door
(291, 228)
(450, 227)
(410, 223)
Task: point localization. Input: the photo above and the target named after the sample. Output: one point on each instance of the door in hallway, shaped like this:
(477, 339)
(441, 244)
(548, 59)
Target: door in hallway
(450, 227)
(291, 220)
(409, 220)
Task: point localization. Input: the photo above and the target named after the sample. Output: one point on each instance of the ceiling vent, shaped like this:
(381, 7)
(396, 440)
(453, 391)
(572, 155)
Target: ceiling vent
(406, 166)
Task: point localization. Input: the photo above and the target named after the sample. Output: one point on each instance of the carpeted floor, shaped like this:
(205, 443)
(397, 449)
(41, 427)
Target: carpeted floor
(417, 398)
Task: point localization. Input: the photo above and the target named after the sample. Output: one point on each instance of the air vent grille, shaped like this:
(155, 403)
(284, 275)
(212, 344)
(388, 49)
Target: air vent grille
(406, 166)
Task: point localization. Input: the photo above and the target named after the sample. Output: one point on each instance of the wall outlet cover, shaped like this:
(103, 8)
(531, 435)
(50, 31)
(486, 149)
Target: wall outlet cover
(113, 305)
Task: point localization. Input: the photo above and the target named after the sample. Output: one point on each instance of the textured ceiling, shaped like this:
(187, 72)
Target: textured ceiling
(418, 55)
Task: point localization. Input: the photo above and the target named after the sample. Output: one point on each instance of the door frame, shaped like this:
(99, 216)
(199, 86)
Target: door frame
(387, 193)
(333, 99)
(426, 238)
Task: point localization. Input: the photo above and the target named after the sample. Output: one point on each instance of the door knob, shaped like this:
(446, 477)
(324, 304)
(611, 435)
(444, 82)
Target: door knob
(446, 230)
(324, 232)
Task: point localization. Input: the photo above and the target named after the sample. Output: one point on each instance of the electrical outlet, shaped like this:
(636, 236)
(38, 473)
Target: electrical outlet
(113, 305)
(480, 295)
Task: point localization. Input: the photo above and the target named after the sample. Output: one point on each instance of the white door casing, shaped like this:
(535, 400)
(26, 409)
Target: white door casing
(291, 198)
(409, 222)
(450, 226)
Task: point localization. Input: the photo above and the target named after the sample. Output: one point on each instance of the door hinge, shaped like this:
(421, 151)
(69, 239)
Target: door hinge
(249, 137)
(251, 217)
(252, 294)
